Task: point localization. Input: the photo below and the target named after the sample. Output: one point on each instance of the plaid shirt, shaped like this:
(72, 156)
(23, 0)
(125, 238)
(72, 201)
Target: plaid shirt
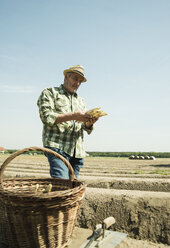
(67, 136)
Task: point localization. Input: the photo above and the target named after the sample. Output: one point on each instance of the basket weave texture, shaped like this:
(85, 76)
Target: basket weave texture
(38, 220)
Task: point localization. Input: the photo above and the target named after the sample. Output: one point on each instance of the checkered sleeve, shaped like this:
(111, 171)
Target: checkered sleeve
(46, 106)
(88, 130)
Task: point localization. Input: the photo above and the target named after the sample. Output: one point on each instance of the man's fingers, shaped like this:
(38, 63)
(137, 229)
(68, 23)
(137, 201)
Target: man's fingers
(90, 116)
(92, 120)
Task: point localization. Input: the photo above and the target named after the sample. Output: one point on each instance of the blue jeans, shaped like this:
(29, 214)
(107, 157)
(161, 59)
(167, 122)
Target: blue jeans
(59, 169)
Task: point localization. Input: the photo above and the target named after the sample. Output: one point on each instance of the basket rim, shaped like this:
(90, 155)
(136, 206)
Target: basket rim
(35, 148)
(59, 193)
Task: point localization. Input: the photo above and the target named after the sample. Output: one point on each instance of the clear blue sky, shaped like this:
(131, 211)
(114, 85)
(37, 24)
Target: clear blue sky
(124, 46)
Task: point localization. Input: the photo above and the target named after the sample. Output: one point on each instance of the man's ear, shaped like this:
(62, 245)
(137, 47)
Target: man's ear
(66, 76)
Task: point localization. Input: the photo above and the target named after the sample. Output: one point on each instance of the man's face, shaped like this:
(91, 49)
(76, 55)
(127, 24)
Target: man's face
(72, 82)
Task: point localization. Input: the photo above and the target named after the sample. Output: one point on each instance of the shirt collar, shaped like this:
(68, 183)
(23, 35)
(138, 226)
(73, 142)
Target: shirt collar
(64, 91)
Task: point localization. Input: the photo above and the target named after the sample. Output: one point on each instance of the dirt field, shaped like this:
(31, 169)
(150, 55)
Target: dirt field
(136, 192)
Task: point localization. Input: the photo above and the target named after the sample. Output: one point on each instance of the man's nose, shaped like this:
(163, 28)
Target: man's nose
(78, 82)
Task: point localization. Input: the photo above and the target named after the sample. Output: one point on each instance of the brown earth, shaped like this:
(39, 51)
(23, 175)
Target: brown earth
(143, 215)
(135, 192)
(126, 243)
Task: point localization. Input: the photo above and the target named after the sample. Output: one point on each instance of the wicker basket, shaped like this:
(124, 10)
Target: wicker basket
(39, 220)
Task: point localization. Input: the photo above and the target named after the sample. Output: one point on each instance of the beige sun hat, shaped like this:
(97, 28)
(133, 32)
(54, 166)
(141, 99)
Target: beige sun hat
(77, 69)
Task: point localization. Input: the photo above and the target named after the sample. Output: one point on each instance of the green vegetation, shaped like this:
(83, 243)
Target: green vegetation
(111, 154)
(161, 172)
(10, 151)
(140, 172)
(127, 154)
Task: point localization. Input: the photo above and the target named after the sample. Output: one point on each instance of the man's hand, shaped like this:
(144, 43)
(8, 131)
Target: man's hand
(91, 121)
(81, 116)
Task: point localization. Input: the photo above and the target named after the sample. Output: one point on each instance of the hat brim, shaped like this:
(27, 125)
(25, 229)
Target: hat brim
(68, 70)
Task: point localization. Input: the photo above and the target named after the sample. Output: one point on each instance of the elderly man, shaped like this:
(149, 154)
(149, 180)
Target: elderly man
(64, 119)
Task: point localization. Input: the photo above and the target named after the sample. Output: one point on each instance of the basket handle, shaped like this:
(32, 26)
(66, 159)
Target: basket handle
(42, 149)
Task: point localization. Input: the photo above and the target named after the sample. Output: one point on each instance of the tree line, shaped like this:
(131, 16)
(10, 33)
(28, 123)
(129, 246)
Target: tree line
(110, 154)
(128, 154)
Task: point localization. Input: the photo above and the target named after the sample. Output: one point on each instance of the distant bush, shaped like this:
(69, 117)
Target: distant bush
(10, 151)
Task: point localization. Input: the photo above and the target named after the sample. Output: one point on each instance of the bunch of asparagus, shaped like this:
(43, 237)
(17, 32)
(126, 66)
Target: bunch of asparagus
(95, 112)
(46, 189)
